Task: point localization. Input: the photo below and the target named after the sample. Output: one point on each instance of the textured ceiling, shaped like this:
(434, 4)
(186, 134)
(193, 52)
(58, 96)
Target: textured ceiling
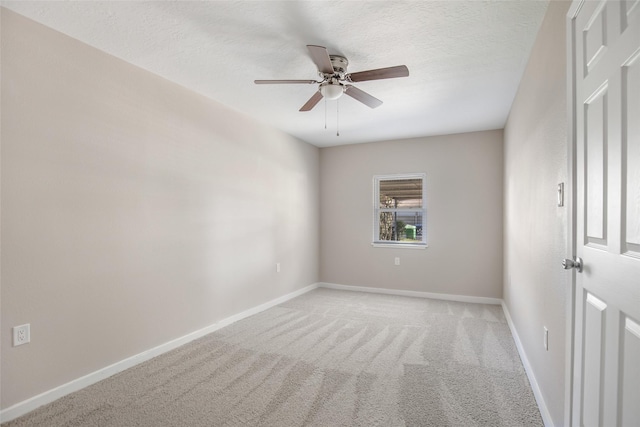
(465, 58)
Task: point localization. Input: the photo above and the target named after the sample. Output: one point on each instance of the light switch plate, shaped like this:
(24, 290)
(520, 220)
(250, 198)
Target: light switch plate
(561, 194)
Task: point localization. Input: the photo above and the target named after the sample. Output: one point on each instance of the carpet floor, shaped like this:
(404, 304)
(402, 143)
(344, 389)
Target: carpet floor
(326, 358)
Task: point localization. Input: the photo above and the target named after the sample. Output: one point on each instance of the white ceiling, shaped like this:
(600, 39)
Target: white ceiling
(465, 58)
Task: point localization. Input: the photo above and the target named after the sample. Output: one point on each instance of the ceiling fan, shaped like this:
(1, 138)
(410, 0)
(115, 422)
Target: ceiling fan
(332, 69)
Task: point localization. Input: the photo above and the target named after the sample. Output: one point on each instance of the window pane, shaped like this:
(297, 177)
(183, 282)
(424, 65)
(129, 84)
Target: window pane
(401, 227)
(401, 193)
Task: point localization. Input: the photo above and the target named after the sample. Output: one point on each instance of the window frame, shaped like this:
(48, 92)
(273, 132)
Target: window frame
(376, 242)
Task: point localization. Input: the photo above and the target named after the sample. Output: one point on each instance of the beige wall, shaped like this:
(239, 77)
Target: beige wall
(464, 215)
(536, 288)
(133, 210)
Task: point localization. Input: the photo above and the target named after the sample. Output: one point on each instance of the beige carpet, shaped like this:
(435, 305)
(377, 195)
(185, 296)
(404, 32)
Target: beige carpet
(327, 358)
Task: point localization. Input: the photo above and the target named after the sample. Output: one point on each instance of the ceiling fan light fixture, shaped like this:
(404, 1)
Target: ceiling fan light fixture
(331, 91)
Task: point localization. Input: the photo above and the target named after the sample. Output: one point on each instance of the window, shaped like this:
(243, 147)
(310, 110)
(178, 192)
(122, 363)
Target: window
(400, 213)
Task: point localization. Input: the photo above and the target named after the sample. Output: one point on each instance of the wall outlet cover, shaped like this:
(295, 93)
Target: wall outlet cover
(21, 334)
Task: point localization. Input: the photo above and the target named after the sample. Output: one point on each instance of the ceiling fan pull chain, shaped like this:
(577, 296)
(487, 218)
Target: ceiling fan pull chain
(325, 113)
(337, 117)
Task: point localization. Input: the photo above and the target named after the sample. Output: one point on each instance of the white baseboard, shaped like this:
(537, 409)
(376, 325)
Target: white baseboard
(49, 396)
(418, 294)
(544, 411)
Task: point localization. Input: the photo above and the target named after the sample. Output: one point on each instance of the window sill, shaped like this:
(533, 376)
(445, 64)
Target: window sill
(400, 245)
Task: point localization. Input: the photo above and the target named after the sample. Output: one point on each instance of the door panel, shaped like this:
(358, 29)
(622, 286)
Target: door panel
(631, 152)
(630, 373)
(595, 312)
(595, 38)
(595, 150)
(628, 8)
(607, 311)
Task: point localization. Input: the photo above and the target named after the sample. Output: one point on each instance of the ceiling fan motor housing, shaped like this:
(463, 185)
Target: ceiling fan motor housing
(332, 87)
(339, 64)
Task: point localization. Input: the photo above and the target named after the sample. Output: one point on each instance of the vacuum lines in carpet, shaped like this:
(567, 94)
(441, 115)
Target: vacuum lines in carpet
(326, 358)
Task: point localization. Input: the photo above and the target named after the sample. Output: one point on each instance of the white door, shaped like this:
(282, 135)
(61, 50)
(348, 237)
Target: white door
(606, 386)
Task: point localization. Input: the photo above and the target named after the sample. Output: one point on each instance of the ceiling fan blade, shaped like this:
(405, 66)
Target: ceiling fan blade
(320, 57)
(362, 96)
(379, 74)
(312, 102)
(283, 82)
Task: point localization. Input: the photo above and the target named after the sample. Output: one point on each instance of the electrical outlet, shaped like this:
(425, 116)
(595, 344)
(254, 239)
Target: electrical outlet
(546, 338)
(397, 261)
(277, 267)
(21, 334)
